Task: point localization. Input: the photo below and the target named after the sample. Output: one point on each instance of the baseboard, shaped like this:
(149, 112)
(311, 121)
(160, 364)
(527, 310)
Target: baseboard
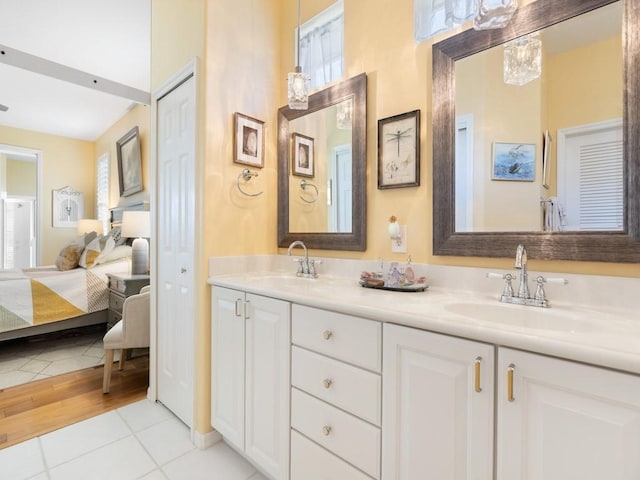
(205, 440)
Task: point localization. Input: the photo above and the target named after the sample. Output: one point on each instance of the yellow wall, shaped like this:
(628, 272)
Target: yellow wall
(139, 116)
(245, 49)
(22, 178)
(65, 162)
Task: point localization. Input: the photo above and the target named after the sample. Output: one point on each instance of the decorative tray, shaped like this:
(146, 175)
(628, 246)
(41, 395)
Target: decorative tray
(412, 287)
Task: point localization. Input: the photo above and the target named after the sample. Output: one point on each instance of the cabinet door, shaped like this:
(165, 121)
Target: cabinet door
(435, 424)
(227, 364)
(267, 384)
(562, 420)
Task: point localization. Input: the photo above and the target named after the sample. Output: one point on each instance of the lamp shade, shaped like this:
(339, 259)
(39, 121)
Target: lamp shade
(86, 225)
(135, 224)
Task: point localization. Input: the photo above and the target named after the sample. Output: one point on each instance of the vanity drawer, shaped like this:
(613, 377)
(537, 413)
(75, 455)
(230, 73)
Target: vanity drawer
(350, 438)
(352, 339)
(350, 388)
(312, 462)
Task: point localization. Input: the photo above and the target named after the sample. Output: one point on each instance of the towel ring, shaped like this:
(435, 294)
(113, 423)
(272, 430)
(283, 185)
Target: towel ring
(303, 185)
(246, 175)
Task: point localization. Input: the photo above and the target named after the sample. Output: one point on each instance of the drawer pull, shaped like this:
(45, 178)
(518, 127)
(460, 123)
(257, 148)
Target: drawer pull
(326, 383)
(238, 306)
(510, 370)
(476, 376)
(326, 430)
(327, 334)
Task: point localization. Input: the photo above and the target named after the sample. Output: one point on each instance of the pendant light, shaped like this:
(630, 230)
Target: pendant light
(522, 60)
(297, 81)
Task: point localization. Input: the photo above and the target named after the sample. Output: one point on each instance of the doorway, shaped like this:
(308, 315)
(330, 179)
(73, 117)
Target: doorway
(20, 190)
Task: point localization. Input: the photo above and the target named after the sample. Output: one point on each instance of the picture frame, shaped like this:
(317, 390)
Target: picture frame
(302, 155)
(67, 207)
(514, 161)
(248, 145)
(129, 163)
(399, 151)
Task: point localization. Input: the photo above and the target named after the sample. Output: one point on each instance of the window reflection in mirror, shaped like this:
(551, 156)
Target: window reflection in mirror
(578, 99)
(322, 202)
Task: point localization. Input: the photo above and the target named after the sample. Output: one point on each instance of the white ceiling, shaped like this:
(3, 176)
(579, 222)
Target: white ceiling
(108, 39)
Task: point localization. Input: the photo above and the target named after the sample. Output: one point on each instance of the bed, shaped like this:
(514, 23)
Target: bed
(46, 299)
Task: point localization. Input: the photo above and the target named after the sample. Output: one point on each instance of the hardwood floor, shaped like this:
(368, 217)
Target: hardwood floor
(39, 407)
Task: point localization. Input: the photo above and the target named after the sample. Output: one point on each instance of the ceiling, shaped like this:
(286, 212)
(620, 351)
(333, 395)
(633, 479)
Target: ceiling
(107, 42)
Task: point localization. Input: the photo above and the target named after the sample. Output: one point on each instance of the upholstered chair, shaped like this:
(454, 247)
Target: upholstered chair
(130, 332)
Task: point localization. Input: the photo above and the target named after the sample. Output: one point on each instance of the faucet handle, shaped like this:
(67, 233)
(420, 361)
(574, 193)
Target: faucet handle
(300, 262)
(312, 267)
(540, 280)
(508, 288)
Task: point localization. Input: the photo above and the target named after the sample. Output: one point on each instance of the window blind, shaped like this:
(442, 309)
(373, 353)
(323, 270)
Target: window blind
(102, 191)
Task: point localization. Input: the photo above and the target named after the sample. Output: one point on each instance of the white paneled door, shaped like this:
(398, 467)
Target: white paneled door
(176, 248)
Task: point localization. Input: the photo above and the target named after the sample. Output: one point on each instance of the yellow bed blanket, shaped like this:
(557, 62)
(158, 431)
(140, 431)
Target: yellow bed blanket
(41, 295)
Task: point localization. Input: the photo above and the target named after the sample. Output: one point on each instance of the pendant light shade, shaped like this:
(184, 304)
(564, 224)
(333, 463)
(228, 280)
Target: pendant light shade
(493, 13)
(522, 60)
(297, 81)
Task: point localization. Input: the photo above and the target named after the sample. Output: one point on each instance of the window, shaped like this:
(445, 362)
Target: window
(322, 46)
(102, 191)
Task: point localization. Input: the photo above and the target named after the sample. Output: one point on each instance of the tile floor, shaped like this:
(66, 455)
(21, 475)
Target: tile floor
(23, 361)
(142, 441)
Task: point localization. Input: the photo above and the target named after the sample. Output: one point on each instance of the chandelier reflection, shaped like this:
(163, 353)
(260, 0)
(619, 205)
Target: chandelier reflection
(522, 60)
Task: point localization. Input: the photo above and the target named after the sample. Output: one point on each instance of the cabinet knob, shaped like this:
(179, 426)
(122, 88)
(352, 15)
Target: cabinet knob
(326, 383)
(326, 430)
(327, 334)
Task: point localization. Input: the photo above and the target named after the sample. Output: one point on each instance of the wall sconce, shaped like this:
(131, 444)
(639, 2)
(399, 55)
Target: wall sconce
(398, 235)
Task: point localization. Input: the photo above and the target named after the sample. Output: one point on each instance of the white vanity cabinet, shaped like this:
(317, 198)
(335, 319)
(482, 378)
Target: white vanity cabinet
(250, 341)
(560, 420)
(335, 396)
(438, 404)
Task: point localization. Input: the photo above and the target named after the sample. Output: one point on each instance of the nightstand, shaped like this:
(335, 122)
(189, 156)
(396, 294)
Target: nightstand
(122, 286)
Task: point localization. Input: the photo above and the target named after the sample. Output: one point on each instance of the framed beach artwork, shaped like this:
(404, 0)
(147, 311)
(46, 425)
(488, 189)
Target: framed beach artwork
(514, 161)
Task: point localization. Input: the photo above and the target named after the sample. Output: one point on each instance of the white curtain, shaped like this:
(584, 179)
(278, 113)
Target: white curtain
(321, 52)
(432, 17)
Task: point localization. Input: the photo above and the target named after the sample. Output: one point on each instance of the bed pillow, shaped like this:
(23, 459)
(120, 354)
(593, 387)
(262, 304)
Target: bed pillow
(96, 250)
(118, 253)
(69, 256)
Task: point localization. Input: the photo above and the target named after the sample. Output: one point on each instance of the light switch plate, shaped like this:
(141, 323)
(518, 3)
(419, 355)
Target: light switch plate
(400, 246)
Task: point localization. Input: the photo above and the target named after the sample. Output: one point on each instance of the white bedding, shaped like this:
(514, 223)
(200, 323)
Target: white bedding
(42, 295)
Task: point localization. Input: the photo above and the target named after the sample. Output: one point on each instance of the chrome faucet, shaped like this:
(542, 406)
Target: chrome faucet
(523, 297)
(521, 263)
(306, 267)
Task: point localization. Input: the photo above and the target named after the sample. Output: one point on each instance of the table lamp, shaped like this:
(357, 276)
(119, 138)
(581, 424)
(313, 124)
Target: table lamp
(87, 225)
(135, 224)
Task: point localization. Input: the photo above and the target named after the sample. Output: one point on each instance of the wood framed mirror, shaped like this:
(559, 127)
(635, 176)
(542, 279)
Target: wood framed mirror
(605, 246)
(322, 201)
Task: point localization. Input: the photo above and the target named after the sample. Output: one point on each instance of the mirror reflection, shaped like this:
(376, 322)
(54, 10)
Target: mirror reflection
(543, 152)
(322, 164)
(321, 176)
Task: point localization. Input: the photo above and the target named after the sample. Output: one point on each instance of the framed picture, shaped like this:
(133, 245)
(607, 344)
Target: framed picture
(399, 151)
(248, 147)
(514, 161)
(129, 163)
(68, 207)
(303, 160)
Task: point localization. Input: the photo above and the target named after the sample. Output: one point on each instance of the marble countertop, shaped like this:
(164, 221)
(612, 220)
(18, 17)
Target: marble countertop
(604, 337)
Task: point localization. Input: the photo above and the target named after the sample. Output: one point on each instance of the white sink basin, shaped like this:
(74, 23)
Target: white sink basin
(521, 316)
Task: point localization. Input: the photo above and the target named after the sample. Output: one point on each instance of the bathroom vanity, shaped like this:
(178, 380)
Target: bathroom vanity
(337, 381)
